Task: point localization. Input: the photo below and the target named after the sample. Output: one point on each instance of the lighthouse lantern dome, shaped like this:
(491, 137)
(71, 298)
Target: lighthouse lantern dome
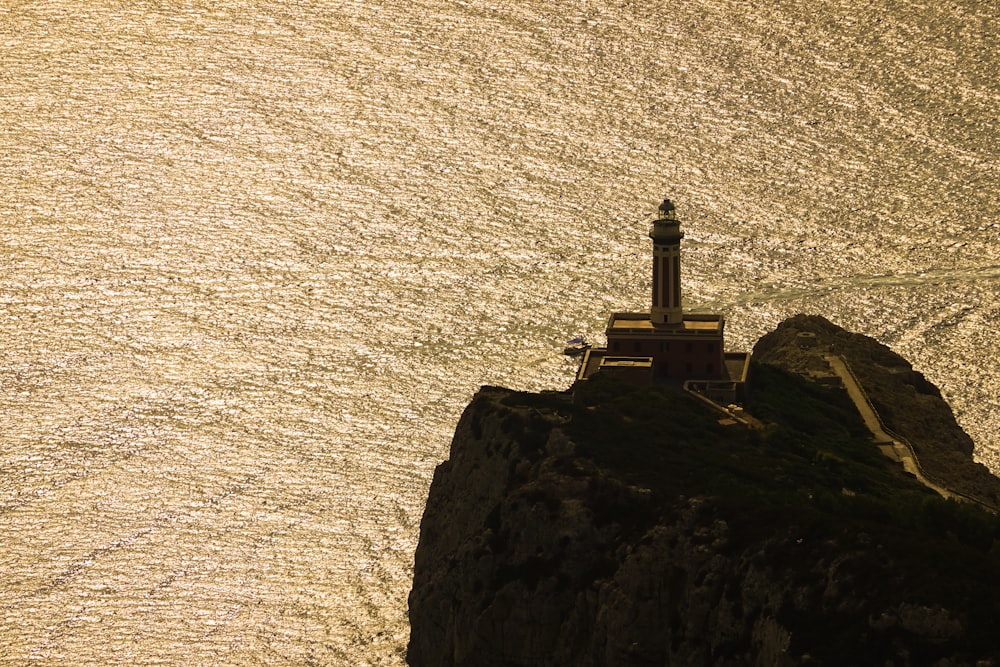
(667, 210)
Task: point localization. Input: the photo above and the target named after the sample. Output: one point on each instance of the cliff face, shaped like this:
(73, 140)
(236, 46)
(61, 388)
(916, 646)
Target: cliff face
(630, 527)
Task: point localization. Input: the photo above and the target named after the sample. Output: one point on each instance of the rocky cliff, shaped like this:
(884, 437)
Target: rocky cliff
(628, 526)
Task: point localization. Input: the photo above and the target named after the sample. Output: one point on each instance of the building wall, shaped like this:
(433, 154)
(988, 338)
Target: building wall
(689, 358)
(637, 370)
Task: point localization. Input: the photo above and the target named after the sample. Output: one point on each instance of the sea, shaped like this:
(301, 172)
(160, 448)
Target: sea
(257, 256)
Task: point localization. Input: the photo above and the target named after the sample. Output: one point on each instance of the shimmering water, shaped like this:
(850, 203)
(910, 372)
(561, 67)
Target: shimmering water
(255, 257)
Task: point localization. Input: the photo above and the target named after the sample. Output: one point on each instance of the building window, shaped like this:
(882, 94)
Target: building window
(710, 369)
(638, 346)
(616, 346)
(656, 282)
(711, 347)
(688, 368)
(677, 281)
(687, 347)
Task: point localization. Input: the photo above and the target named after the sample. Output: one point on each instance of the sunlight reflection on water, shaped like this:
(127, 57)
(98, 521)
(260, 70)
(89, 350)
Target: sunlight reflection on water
(256, 259)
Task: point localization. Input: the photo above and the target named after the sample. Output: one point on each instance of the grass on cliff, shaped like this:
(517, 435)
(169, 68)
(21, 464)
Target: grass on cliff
(905, 400)
(814, 456)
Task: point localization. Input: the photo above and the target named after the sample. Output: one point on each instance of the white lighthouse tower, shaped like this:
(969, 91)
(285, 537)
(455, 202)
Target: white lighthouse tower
(666, 234)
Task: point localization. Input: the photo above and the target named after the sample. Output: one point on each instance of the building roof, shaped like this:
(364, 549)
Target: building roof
(735, 368)
(694, 323)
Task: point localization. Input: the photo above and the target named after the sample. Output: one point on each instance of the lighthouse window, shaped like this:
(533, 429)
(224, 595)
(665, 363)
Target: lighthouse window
(677, 280)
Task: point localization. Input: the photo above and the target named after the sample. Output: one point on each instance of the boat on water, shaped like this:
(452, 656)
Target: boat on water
(576, 346)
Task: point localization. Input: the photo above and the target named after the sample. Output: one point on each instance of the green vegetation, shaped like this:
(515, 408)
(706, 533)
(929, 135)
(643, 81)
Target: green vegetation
(809, 487)
(906, 402)
(813, 460)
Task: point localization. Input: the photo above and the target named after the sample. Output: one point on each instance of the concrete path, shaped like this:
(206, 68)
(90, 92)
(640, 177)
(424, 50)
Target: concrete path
(891, 447)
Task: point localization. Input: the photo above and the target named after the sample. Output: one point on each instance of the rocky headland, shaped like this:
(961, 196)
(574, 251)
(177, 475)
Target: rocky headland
(623, 525)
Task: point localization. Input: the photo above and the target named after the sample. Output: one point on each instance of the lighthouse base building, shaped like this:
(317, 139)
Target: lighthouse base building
(669, 345)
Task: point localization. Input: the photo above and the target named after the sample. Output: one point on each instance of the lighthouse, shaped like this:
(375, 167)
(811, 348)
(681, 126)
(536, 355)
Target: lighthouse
(668, 345)
(666, 234)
